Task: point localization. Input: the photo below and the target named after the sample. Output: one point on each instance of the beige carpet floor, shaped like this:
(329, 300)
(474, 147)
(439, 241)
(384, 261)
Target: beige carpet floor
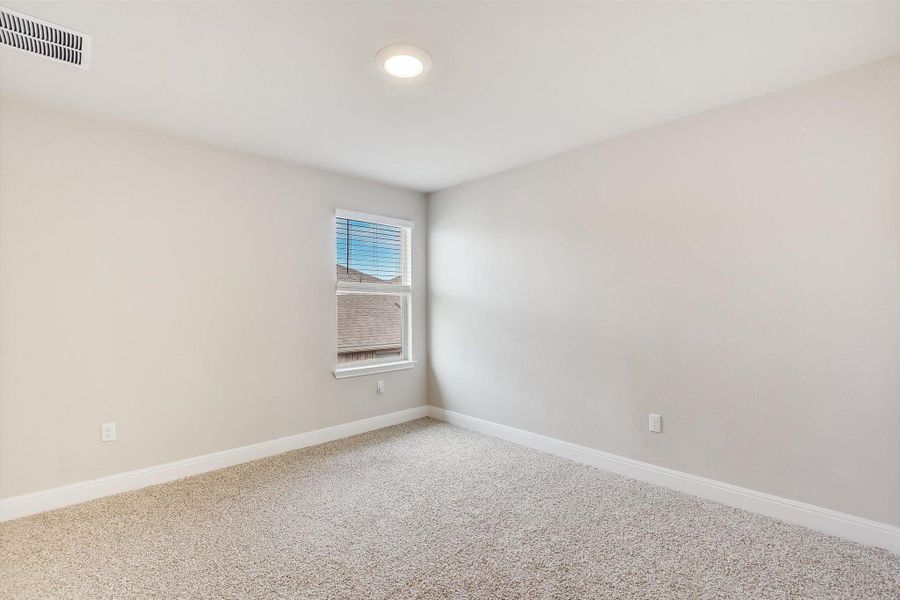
(425, 510)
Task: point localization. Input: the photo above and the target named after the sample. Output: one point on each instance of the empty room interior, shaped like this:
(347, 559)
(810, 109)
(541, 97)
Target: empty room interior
(449, 300)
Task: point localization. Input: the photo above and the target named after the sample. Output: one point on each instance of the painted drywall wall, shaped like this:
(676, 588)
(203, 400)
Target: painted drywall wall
(737, 271)
(183, 291)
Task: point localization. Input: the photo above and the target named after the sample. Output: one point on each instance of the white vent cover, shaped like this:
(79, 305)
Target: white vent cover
(42, 38)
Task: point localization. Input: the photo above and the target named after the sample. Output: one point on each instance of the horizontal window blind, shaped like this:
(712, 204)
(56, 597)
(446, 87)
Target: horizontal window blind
(371, 253)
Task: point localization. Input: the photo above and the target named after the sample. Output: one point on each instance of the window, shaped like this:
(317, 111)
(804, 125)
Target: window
(372, 293)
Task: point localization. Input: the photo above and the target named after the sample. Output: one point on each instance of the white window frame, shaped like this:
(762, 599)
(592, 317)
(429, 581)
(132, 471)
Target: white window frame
(389, 363)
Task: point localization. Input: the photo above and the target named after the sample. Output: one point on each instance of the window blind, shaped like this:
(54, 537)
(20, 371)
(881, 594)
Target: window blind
(371, 253)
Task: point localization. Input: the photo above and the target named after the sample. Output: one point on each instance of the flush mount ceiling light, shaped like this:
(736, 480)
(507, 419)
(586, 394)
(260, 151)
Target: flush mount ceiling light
(403, 61)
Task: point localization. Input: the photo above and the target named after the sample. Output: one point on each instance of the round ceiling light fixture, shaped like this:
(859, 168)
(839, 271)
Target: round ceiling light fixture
(403, 61)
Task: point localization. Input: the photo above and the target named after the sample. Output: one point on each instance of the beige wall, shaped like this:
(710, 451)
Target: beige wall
(737, 271)
(182, 291)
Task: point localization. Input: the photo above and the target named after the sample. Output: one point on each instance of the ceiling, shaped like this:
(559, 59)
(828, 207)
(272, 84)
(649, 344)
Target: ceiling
(511, 82)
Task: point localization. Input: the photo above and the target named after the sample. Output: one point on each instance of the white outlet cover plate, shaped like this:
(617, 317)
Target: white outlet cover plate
(655, 423)
(107, 432)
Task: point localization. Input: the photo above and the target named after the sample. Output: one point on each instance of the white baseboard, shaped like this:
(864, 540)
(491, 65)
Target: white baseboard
(828, 521)
(825, 520)
(28, 504)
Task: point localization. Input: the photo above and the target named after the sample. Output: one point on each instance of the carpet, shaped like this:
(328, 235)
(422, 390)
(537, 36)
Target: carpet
(425, 510)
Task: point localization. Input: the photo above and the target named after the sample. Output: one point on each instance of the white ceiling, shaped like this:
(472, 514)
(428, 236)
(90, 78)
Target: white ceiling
(511, 82)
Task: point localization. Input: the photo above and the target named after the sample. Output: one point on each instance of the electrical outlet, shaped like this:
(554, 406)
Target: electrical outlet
(656, 423)
(108, 432)
(380, 386)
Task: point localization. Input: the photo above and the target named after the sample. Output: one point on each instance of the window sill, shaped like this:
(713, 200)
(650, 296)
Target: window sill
(343, 372)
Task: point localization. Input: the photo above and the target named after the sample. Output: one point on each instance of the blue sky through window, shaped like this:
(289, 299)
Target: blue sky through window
(371, 248)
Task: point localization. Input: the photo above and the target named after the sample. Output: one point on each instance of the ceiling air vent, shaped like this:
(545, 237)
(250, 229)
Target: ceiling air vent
(45, 39)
